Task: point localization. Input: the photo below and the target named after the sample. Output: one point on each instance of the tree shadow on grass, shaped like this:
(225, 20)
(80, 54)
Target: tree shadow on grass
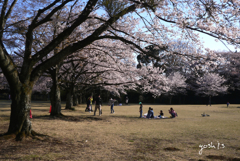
(9, 158)
(40, 103)
(5, 110)
(230, 107)
(123, 116)
(137, 117)
(218, 157)
(64, 110)
(40, 110)
(150, 147)
(171, 149)
(70, 118)
(5, 105)
(5, 116)
(26, 146)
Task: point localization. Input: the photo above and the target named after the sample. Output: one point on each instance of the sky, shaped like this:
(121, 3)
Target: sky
(209, 42)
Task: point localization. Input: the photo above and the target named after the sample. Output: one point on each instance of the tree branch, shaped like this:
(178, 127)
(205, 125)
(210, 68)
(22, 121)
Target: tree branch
(82, 17)
(75, 46)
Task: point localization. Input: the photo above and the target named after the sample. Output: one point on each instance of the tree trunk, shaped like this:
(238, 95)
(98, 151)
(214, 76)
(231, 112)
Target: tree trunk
(170, 100)
(80, 98)
(209, 100)
(179, 100)
(55, 95)
(75, 100)
(20, 123)
(69, 100)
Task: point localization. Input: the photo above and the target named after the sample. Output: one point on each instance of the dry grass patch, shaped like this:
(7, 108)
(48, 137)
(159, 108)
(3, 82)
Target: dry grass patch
(79, 135)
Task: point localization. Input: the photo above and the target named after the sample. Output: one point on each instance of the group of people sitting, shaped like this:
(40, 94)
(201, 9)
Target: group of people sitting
(150, 113)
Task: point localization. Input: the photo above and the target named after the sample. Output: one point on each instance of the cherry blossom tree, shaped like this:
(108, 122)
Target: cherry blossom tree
(229, 68)
(111, 71)
(177, 85)
(211, 84)
(137, 23)
(42, 85)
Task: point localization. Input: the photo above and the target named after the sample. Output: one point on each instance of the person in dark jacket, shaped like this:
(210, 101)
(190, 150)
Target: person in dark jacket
(140, 109)
(150, 113)
(161, 114)
(98, 104)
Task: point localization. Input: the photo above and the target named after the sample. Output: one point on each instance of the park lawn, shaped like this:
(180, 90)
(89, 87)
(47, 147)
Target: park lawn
(123, 136)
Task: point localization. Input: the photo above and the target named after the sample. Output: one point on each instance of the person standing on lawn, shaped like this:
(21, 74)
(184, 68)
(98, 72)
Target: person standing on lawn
(127, 100)
(111, 102)
(140, 109)
(98, 104)
(228, 104)
(90, 105)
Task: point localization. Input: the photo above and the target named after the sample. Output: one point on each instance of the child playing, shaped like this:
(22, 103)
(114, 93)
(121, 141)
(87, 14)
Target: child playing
(161, 114)
(172, 112)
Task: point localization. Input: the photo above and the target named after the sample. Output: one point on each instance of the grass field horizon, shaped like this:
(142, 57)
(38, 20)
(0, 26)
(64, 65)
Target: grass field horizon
(124, 136)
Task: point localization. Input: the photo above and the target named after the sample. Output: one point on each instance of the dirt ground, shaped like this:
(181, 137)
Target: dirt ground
(123, 136)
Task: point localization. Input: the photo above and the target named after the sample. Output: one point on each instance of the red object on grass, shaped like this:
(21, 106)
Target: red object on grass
(50, 109)
(30, 114)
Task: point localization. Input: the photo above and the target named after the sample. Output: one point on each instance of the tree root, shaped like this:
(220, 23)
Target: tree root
(72, 108)
(22, 135)
(58, 115)
(7, 136)
(34, 133)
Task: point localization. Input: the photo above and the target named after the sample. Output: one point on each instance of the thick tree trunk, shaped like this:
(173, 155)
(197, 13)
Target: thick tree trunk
(69, 100)
(20, 123)
(55, 98)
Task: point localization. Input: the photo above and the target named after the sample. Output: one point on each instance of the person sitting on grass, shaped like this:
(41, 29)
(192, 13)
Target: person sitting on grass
(172, 112)
(150, 113)
(161, 114)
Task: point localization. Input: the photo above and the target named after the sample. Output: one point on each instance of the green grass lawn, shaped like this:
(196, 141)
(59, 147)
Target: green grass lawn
(124, 136)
